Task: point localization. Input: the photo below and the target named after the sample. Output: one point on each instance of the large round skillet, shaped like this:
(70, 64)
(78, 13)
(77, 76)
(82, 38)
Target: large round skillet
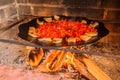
(23, 29)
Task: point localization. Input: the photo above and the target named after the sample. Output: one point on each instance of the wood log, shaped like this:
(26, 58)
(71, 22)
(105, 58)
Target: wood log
(83, 70)
(95, 70)
(53, 62)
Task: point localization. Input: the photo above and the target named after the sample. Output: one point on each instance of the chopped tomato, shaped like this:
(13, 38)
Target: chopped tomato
(63, 28)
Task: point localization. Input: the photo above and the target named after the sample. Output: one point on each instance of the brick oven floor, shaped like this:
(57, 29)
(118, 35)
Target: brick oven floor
(14, 56)
(13, 73)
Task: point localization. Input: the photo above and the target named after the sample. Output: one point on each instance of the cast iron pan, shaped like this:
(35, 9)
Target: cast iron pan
(23, 29)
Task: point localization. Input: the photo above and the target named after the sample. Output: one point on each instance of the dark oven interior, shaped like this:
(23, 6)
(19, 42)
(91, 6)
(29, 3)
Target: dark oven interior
(15, 13)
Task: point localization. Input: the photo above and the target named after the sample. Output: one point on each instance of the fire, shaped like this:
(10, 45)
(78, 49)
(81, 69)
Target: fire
(54, 61)
(58, 59)
(35, 58)
(68, 59)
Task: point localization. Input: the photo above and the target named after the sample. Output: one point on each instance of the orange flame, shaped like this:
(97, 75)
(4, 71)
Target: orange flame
(57, 59)
(37, 57)
(68, 59)
(53, 61)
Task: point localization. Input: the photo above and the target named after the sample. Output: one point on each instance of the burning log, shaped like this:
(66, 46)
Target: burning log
(53, 61)
(36, 57)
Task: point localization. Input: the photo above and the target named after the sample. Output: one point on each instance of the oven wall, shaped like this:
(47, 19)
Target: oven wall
(8, 9)
(96, 9)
